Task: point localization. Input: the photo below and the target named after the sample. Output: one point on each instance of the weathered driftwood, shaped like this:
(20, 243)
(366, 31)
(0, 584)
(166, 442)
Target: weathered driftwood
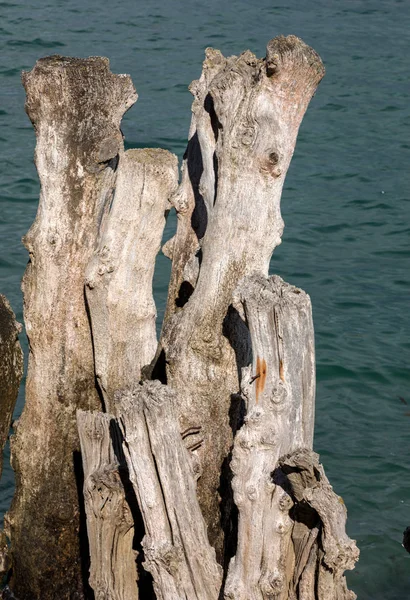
(246, 115)
(11, 369)
(176, 547)
(76, 106)
(119, 276)
(323, 550)
(274, 543)
(110, 523)
(224, 350)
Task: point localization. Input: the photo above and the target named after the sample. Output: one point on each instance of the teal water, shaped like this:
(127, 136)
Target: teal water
(346, 206)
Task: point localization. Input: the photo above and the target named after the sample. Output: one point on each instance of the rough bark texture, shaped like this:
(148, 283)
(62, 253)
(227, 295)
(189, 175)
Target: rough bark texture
(11, 369)
(119, 277)
(285, 517)
(176, 547)
(246, 115)
(76, 106)
(110, 523)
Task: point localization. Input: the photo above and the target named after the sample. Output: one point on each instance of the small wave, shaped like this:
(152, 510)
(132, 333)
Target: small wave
(38, 42)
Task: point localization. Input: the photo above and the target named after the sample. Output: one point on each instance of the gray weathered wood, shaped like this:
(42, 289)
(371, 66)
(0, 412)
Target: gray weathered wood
(110, 524)
(246, 115)
(335, 552)
(119, 276)
(276, 549)
(224, 348)
(279, 390)
(176, 547)
(76, 106)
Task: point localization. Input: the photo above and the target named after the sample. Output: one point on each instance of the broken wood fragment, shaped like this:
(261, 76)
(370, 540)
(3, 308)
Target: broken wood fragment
(176, 547)
(110, 523)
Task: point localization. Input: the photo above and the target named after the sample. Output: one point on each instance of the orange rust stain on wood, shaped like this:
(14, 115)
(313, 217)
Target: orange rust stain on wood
(261, 373)
(281, 371)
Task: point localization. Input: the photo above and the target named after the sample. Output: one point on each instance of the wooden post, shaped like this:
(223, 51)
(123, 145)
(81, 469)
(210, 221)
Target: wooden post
(119, 276)
(177, 551)
(228, 415)
(281, 520)
(246, 116)
(76, 106)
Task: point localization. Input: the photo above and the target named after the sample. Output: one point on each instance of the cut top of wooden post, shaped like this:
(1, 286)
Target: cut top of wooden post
(84, 106)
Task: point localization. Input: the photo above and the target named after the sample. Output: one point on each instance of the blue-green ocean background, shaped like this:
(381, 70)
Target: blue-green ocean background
(346, 206)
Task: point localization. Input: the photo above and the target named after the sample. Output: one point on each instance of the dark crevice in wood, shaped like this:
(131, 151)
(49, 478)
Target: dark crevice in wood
(210, 109)
(237, 333)
(185, 292)
(158, 370)
(199, 218)
(84, 547)
(216, 126)
(145, 581)
(96, 380)
(228, 508)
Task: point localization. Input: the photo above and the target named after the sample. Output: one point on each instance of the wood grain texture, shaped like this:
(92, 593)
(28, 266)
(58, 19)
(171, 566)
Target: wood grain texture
(76, 106)
(176, 547)
(110, 523)
(291, 532)
(119, 275)
(243, 133)
(11, 369)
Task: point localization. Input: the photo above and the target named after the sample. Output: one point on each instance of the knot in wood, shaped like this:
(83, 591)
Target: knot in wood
(272, 65)
(254, 416)
(247, 135)
(53, 238)
(285, 502)
(251, 492)
(275, 584)
(279, 394)
(282, 528)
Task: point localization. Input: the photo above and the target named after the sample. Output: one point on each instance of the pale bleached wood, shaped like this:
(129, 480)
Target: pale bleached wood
(279, 390)
(110, 524)
(177, 551)
(246, 115)
(76, 106)
(119, 276)
(218, 340)
(288, 512)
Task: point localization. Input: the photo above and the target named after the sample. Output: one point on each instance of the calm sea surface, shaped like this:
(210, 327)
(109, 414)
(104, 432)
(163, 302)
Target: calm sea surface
(346, 205)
